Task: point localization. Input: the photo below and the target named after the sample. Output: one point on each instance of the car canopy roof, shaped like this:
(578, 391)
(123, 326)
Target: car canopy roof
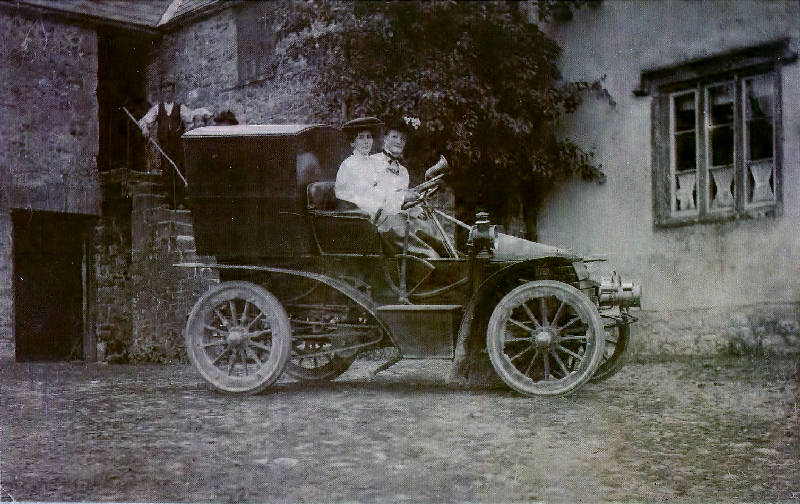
(247, 186)
(251, 130)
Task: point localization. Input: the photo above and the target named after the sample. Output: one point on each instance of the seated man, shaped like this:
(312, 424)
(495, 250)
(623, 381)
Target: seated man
(378, 185)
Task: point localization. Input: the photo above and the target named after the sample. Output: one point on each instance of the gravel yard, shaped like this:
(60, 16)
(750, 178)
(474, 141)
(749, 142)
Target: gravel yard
(681, 430)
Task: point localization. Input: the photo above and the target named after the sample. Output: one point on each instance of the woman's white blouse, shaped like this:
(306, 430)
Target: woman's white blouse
(368, 182)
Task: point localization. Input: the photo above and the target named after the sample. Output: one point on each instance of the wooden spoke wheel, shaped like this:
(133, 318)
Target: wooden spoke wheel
(318, 334)
(617, 337)
(238, 337)
(545, 338)
(313, 360)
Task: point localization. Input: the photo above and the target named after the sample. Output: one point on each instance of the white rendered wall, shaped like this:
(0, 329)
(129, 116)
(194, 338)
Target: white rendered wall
(732, 264)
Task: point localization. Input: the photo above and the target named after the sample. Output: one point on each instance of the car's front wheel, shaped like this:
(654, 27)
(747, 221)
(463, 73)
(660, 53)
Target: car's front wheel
(545, 338)
(617, 338)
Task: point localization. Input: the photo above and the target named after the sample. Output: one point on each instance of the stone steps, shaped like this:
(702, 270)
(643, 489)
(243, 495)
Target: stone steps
(168, 228)
(186, 248)
(150, 187)
(148, 200)
(173, 228)
(164, 213)
(153, 176)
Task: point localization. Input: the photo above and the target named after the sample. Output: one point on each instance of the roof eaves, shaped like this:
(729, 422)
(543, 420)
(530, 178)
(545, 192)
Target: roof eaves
(175, 15)
(78, 17)
(170, 12)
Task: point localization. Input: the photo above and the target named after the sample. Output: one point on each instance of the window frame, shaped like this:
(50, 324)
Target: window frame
(255, 42)
(708, 167)
(698, 77)
(673, 169)
(776, 150)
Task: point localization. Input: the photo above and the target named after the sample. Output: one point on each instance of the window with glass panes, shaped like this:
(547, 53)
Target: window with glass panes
(758, 140)
(722, 146)
(716, 136)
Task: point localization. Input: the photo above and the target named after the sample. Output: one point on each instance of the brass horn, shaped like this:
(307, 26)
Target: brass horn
(439, 168)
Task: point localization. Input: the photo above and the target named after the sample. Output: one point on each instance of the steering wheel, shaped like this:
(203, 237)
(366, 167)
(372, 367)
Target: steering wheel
(425, 190)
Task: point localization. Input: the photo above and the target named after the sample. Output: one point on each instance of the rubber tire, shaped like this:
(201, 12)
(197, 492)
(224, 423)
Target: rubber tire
(611, 366)
(328, 372)
(281, 337)
(495, 337)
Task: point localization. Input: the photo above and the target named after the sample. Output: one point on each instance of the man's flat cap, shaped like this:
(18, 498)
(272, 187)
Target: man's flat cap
(362, 123)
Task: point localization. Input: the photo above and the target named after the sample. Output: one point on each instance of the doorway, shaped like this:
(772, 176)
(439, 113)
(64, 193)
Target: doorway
(121, 70)
(50, 285)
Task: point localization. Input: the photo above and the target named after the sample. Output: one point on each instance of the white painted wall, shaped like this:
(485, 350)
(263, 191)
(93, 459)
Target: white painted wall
(730, 264)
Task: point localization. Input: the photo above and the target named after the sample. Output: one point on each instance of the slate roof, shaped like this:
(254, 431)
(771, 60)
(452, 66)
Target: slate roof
(183, 7)
(142, 14)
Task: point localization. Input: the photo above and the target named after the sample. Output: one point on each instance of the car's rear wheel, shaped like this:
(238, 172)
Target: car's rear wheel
(328, 328)
(238, 337)
(545, 338)
(313, 360)
(617, 337)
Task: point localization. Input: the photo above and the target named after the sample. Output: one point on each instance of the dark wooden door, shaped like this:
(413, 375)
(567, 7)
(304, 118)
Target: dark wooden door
(49, 285)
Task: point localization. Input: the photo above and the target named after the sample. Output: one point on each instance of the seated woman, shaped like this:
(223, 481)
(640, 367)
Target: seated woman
(378, 185)
(358, 180)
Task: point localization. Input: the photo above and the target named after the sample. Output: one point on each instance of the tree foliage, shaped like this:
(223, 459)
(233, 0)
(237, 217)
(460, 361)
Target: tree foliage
(481, 78)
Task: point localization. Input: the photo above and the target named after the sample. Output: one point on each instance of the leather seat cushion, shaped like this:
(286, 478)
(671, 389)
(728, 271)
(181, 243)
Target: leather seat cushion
(322, 196)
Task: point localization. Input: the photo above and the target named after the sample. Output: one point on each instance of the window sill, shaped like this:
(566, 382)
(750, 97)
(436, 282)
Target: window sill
(766, 212)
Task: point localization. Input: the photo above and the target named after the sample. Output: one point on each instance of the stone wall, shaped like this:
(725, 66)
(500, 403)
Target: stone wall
(196, 65)
(772, 328)
(112, 263)
(142, 299)
(160, 294)
(113, 286)
(48, 149)
(48, 128)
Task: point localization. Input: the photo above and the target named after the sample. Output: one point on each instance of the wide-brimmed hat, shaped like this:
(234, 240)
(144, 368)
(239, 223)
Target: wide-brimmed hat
(353, 126)
(398, 124)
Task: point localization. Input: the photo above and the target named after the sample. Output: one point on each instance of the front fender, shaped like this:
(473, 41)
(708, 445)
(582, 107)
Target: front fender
(512, 248)
(471, 364)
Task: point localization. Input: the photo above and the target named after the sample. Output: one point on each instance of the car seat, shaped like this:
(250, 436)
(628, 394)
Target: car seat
(339, 226)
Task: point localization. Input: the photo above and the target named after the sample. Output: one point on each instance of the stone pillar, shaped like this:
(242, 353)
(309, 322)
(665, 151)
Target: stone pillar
(161, 293)
(146, 196)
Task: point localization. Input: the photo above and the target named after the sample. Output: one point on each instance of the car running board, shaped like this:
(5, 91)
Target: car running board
(386, 365)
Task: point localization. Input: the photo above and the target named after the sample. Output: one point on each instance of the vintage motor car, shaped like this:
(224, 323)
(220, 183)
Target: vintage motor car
(306, 282)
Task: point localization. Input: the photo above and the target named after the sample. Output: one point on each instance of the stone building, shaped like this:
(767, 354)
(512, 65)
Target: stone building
(88, 229)
(48, 174)
(87, 233)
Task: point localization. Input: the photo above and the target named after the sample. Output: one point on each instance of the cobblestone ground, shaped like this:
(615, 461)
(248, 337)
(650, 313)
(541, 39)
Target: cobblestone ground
(682, 430)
